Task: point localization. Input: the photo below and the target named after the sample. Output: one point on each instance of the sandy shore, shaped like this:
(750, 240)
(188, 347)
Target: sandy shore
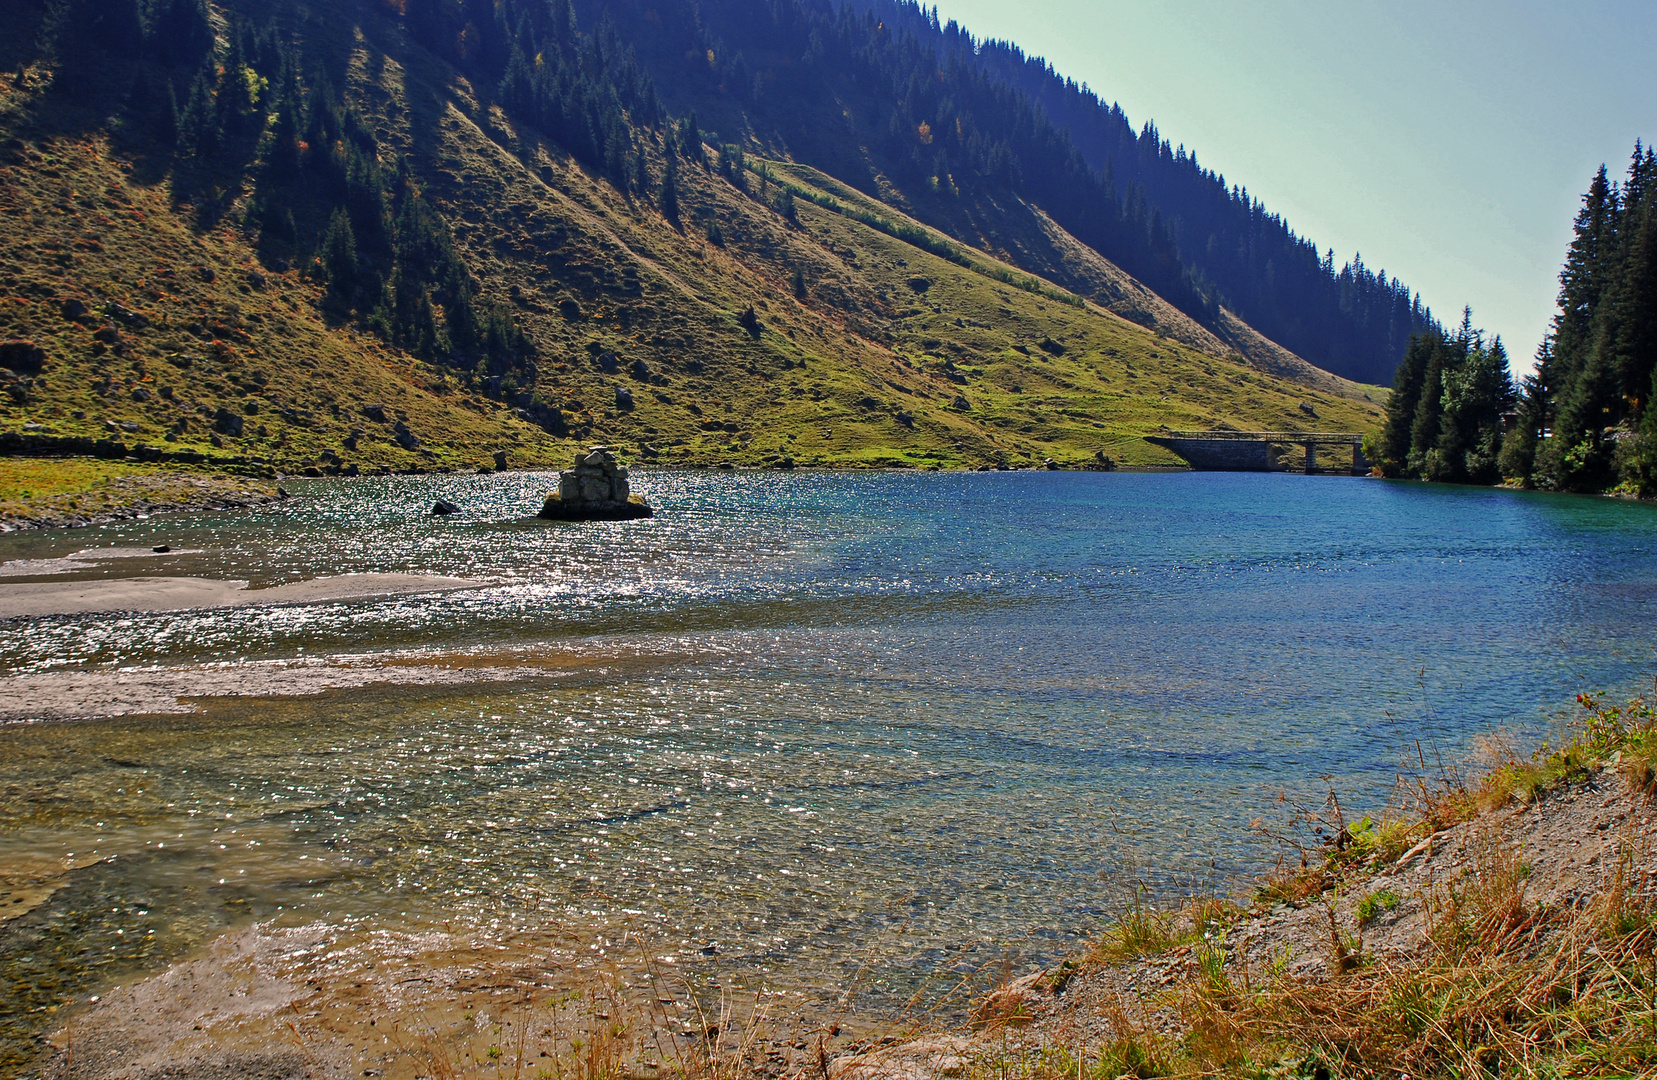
(186, 688)
(33, 600)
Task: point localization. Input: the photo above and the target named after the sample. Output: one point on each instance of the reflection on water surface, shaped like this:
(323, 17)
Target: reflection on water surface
(924, 718)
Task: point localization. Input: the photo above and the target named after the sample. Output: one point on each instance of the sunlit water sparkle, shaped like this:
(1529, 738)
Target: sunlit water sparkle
(922, 718)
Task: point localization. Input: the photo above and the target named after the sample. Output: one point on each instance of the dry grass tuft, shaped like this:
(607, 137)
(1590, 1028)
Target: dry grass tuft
(1144, 930)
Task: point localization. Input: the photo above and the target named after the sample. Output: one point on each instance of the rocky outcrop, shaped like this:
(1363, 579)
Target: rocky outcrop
(23, 357)
(918, 1059)
(597, 489)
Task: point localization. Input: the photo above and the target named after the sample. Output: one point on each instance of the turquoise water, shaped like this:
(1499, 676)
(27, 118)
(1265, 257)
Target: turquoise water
(923, 720)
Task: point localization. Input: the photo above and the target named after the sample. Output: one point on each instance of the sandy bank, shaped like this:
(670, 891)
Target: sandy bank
(159, 691)
(33, 600)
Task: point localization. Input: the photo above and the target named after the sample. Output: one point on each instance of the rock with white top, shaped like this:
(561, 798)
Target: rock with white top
(597, 489)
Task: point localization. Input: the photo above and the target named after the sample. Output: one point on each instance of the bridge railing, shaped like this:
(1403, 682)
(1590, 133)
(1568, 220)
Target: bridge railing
(1265, 436)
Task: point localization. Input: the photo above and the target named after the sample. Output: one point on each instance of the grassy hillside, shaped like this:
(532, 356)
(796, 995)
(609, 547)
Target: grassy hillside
(161, 318)
(180, 323)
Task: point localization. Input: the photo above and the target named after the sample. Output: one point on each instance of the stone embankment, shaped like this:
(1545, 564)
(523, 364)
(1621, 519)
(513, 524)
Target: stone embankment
(597, 489)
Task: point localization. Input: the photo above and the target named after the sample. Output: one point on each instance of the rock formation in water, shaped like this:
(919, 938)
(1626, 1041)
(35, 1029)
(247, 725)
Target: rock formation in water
(595, 490)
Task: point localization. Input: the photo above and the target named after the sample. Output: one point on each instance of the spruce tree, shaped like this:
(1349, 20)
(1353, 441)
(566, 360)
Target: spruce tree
(641, 174)
(1427, 422)
(178, 32)
(1580, 448)
(1635, 300)
(153, 107)
(518, 89)
(692, 141)
(1641, 465)
(1403, 402)
(1534, 410)
(339, 256)
(283, 156)
(669, 202)
(198, 128)
(426, 22)
(1478, 396)
(88, 37)
(1583, 282)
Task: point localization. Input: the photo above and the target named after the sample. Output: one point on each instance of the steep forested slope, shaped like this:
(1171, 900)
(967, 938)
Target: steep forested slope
(328, 235)
(883, 97)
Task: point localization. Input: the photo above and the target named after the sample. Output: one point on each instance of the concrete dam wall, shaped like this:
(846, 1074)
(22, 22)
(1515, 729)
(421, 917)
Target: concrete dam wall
(1221, 455)
(1263, 451)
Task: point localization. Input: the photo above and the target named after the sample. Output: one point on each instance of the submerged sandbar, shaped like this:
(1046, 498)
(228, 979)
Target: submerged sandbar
(39, 599)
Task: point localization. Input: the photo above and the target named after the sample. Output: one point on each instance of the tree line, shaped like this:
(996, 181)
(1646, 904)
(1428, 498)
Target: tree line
(1581, 421)
(1584, 420)
(585, 90)
(1449, 408)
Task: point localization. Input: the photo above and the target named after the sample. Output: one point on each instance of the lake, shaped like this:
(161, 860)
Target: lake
(802, 723)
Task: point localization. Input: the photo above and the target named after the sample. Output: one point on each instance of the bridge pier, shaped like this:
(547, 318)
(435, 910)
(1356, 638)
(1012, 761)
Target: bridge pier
(1311, 458)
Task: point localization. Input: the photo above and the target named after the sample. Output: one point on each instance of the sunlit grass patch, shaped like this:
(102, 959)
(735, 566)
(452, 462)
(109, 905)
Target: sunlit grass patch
(35, 478)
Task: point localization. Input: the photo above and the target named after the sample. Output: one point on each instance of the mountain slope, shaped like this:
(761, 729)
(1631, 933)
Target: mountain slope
(880, 95)
(182, 340)
(633, 322)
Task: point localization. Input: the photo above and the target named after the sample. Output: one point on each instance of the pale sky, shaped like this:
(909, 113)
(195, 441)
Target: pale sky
(1448, 142)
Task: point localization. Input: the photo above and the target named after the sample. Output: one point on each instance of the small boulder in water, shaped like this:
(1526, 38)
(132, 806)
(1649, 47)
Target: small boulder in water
(443, 508)
(597, 489)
